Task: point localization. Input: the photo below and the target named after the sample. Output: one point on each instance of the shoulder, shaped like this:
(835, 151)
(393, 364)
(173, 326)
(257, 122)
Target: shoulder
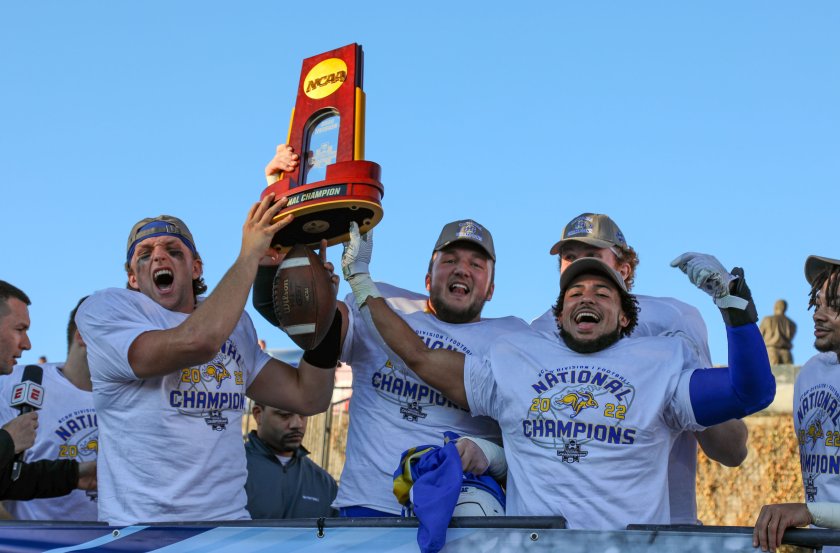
(525, 339)
(652, 345)
(318, 470)
(114, 301)
(664, 306)
(398, 298)
(509, 324)
(826, 360)
(546, 318)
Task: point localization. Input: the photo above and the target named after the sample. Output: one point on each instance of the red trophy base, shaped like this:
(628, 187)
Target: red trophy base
(322, 210)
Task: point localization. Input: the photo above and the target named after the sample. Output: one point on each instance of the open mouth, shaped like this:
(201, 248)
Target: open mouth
(587, 317)
(459, 289)
(163, 279)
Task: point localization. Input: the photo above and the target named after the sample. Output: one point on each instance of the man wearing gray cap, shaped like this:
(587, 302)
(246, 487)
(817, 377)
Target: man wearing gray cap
(598, 236)
(816, 417)
(392, 409)
(589, 416)
(170, 372)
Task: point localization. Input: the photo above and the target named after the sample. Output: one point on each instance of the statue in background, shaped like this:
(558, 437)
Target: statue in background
(778, 331)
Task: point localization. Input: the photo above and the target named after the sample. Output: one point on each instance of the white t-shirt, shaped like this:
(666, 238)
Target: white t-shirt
(583, 432)
(66, 430)
(392, 409)
(816, 419)
(170, 447)
(660, 316)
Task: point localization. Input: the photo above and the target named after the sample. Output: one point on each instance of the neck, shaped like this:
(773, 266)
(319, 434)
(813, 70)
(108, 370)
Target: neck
(76, 368)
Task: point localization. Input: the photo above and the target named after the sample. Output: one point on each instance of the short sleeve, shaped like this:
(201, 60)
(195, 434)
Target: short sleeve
(258, 357)
(679, 413)
(480, 386)
(109, 322)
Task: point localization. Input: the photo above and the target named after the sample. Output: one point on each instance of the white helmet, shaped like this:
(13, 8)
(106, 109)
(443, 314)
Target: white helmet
(476, 501)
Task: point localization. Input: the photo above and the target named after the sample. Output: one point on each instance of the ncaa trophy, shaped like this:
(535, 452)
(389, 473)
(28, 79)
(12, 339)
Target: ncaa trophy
(333, 184)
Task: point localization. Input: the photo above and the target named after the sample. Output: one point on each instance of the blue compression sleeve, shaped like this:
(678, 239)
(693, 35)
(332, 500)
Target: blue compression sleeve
(745, 387)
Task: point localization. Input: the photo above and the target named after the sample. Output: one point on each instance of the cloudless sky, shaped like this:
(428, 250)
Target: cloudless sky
(698, 126)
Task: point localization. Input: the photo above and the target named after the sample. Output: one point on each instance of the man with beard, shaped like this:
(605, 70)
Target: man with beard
(816, 417)
(597, 235)
(588, 418)
(283, 482)
(392, 409)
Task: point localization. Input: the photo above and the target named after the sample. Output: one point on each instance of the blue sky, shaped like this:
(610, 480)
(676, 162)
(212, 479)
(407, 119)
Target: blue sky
(702, 126)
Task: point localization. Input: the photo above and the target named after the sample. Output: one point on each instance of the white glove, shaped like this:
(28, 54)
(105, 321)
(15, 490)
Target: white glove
(708, 274)
(355, 263)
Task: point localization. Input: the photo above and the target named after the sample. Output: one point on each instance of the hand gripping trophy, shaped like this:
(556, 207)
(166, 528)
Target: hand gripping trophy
(333, 185)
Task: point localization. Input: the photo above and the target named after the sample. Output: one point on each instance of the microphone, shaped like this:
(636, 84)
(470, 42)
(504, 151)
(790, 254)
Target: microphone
(27, 396)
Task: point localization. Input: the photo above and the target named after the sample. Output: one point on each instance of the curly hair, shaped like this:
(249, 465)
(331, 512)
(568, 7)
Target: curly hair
(629, 305)
(830, 274)
(630, 257)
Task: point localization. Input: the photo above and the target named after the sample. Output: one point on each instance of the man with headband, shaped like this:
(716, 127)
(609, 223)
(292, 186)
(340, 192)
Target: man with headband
(170, 371)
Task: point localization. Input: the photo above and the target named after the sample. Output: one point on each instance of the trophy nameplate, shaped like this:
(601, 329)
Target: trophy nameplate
(333, 184)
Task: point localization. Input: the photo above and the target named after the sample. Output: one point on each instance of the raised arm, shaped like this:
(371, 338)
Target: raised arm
(201, 335)
(306, 390)
(441, 368)
(747, 385)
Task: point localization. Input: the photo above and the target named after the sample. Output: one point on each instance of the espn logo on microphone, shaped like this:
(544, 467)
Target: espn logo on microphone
(27, 393)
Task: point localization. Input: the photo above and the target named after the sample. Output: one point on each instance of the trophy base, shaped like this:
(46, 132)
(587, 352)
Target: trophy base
(323, 210)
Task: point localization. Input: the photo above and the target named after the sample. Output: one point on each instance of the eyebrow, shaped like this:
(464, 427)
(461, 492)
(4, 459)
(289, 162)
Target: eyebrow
(165, 240)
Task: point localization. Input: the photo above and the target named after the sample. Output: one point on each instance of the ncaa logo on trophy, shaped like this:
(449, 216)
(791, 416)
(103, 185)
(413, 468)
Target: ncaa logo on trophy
(333, 184)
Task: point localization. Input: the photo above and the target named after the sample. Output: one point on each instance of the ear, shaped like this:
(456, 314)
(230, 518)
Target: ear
(79, 341)
(623, 320)
(490, 291)
(624, 270)
(198, 268)
(428, 282)
(132, 279)
(256, 411)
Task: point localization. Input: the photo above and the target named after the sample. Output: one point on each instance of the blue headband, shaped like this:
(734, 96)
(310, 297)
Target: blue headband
(165, 229)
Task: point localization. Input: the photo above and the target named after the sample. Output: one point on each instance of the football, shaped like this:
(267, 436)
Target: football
(304, 297)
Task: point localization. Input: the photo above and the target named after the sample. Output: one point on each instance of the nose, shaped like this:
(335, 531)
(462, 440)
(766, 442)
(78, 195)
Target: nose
(820, 313)
(25, 343)
(462, 268)
(158, 253)
(296, 422)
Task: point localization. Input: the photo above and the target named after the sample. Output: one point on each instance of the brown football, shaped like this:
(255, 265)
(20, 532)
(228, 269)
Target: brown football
(304, 297)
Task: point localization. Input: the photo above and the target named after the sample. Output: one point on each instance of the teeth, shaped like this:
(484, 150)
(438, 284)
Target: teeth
(587, 315)
(459, 285)
(162, 272)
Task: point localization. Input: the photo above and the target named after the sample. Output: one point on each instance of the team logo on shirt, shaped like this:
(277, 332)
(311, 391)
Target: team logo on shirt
(817, 423)
(571, 452)
(398, 385)
(207, 391)
(575, 405)
(79, 434)
(579, 401)
(413, 412)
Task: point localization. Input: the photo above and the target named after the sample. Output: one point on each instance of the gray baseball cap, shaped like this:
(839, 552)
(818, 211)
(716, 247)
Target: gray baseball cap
(593, 229)
(466, 230)
(162, 225)
(815, 264)
(590, 265)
